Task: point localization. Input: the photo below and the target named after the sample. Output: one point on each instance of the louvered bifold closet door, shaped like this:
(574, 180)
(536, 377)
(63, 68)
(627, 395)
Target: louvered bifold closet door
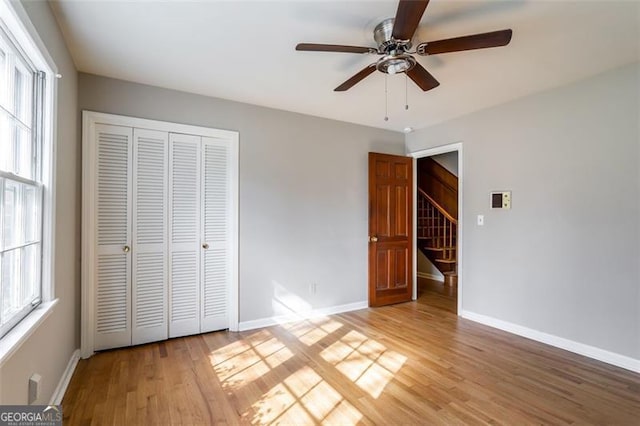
(149, 278)
(216, 222)
(184, 235)
(112, 273)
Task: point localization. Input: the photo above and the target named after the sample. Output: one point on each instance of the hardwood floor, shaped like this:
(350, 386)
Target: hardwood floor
(413, 363)
(438, 295)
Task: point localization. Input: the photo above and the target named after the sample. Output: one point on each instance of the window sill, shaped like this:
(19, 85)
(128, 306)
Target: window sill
(12, 341)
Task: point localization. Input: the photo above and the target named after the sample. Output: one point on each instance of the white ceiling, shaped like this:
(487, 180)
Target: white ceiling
(244, 51)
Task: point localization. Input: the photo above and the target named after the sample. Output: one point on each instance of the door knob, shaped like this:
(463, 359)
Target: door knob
(373, 239)
(126, 249)
(205, 246)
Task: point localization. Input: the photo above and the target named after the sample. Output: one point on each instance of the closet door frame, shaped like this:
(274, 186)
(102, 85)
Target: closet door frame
(89, 121)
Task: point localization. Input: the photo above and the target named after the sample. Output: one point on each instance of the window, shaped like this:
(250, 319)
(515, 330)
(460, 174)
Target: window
(25, 174)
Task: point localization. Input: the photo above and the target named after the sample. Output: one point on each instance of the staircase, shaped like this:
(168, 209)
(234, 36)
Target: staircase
(436, 225)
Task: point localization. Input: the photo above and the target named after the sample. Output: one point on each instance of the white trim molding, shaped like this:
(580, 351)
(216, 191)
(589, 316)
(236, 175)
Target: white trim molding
(429, 276)
(589, 351)
(299, 316)
(58, 394)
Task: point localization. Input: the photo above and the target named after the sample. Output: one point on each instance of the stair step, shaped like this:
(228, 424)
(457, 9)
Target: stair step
(446, 260)
(452, 273)
(451, 279)
(438, 248)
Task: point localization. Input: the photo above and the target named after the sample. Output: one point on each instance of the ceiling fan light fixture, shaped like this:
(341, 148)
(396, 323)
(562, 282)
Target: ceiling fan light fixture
(395, 64)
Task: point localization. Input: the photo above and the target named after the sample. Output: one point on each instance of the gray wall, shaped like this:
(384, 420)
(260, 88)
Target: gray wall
(564, 260)
(448, 160)
(49, 348)
(303, 192)
(426, 267)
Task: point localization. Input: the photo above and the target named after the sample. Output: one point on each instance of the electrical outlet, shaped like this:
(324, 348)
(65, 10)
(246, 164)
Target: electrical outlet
(313, 287)
(34, 388)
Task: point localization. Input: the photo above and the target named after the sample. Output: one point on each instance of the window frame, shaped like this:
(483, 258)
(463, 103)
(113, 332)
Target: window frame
(16, 22)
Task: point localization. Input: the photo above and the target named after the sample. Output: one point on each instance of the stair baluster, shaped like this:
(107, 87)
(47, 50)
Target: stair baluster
(437, 230)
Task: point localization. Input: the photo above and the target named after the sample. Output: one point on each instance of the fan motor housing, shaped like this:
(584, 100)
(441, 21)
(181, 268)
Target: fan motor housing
(383, 36)
(396, 60)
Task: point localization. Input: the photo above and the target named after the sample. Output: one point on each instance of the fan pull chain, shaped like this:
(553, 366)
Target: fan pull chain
(406, 93)
(386, 100)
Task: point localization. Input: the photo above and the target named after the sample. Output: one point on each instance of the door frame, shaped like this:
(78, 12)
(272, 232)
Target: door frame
(89, 121)
(443, 149)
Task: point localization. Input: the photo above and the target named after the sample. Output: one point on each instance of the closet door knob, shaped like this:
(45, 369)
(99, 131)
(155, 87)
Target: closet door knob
(126, 249)
(205, 246)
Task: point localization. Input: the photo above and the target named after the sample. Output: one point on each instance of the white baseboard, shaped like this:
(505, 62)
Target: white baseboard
(431, 276)
(603, 355)
(298, 316)
(58, 394)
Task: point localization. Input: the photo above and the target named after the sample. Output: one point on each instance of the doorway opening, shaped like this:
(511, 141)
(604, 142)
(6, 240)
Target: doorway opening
(437, 228)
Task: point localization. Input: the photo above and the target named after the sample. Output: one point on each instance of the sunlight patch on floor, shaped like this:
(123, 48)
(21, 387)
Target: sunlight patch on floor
(374, 380)
(242, 362)
(303, 398)
(312, 331)
(354, 365)
(364, 361)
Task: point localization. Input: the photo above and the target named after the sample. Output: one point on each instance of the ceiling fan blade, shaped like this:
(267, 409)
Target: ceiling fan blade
(470, 42)
(422, 77)
(313, 47)
(408, 17)
(355, 79)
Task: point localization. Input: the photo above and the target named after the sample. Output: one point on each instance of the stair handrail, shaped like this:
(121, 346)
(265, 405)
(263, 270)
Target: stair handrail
(438, 206)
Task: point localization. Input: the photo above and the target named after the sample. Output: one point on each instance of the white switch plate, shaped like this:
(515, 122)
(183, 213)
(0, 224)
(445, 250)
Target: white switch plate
(480, 220)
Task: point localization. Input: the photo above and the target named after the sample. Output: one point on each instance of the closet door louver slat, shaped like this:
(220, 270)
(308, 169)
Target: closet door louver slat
(112, 274)
(184, 235)
(149, 297)
(216, 197)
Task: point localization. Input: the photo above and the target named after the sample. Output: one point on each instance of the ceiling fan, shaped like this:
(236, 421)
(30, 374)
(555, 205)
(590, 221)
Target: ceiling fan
(393, 36)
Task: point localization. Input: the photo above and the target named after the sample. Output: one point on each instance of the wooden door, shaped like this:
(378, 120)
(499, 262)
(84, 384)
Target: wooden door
(390, 229)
